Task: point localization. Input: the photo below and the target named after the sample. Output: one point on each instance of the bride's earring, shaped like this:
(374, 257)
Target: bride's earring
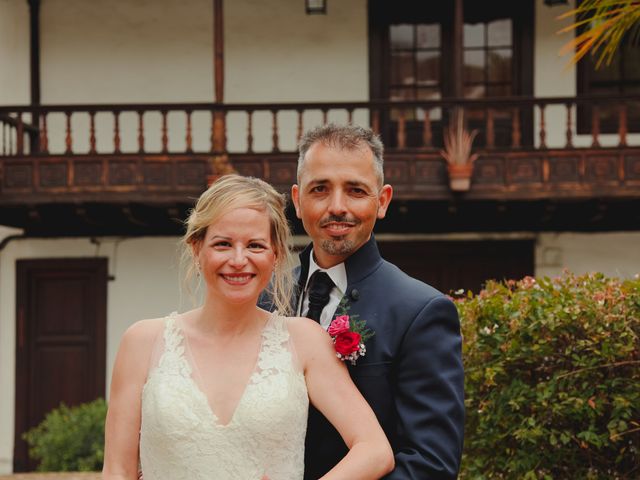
(197, 268)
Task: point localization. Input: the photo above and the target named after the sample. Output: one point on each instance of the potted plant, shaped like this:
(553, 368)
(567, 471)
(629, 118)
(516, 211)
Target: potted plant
(458, 142)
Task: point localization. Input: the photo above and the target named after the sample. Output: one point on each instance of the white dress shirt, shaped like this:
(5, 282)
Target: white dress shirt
(338, 274)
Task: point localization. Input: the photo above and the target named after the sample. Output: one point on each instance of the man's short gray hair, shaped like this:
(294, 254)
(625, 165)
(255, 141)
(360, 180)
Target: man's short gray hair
(344, 137)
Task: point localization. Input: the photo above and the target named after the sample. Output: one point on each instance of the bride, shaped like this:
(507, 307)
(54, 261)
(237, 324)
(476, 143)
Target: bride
(222, 391)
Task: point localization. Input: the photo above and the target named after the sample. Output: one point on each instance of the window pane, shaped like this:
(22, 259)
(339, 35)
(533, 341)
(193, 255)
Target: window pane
(428, 94)
(401, 36)
(499, 33)
(473, 66)
(474, 91)
(428, 68)
(500, 65)
(402, 68)
(428, 36)
(403, 94)
(631, 60)
(500, 90)
(606, 73)
(474, 35)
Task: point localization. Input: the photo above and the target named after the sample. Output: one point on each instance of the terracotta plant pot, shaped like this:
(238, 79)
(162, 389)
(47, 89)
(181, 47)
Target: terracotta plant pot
(460, 176)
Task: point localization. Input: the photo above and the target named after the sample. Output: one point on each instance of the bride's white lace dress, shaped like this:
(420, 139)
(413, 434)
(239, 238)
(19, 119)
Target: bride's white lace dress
(181, 437)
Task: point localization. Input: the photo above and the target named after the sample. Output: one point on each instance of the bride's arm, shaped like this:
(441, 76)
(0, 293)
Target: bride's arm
(122, 428)
(332, 391)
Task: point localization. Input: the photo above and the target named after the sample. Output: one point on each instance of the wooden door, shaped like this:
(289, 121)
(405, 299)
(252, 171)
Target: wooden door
(60, 340)
(450, 266)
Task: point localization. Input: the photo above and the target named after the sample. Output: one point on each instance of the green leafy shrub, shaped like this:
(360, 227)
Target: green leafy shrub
(70, 439)
(552, 379)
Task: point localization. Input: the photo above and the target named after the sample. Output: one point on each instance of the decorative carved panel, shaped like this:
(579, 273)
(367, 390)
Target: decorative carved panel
(282, 173)
(632, 167)
(122, 173)
(430, 172)
(87, 173)
(18, 176)
(156, 173)
(191, 173)
(602, 169)
(249, 169)
(396, 172)
(564, 169)
(53, 175)
(525, 170)
(489, 171)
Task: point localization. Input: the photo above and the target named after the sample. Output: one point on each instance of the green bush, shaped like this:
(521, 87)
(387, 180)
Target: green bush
(552, 379)
(70, 439)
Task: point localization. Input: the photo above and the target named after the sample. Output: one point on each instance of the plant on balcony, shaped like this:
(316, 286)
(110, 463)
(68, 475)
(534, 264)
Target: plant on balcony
(458, 142)
(69, 439)
(552, 379)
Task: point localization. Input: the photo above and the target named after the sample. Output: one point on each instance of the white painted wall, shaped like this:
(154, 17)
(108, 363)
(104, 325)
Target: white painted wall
(616, 254)
(146, 285)
(14, 53)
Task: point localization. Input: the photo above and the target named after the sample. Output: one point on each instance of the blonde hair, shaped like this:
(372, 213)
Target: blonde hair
(231, 192)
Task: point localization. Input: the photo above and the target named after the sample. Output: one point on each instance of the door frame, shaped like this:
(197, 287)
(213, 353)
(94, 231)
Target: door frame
(24, 331)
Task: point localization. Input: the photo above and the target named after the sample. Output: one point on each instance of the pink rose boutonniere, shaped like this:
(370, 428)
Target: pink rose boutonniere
(349, 334)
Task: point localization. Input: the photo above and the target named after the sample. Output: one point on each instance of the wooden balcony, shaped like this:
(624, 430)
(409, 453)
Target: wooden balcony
(138, 167)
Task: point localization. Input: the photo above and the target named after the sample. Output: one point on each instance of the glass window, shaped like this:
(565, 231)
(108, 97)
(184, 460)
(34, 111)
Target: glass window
(620, 77)
(474, 63)
(428, 36)
(473, 35)
(402, 68)
(428, 68)
(499, 33)
(499, 65)
(401, 36)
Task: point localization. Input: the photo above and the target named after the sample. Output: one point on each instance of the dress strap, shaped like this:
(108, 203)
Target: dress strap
(173, 356)
(172, 335)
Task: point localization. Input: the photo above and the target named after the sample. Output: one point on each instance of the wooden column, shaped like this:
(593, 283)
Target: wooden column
(458, 58)
(219, 164)
(34, 54)
(34, 49)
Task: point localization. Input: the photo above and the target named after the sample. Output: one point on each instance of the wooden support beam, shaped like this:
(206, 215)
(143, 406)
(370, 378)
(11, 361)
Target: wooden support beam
(218, 50)
(34, 49)
(34, 67)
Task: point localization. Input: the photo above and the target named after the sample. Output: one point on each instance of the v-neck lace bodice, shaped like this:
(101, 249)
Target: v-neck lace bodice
(181, 437)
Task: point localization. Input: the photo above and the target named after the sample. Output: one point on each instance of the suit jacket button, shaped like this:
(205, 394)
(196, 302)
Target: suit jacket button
(355, 294)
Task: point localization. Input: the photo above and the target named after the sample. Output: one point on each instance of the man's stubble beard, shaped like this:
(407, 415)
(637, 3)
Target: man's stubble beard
(338, 247)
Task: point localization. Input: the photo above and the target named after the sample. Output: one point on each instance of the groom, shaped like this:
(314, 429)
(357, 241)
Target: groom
(412, 372)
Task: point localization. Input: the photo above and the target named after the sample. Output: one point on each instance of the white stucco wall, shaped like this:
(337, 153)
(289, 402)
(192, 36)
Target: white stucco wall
(14, 53)
(615, 254)
(146, 285)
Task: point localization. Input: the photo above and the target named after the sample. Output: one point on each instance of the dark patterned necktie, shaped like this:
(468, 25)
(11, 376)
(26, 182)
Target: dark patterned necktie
(320, 286)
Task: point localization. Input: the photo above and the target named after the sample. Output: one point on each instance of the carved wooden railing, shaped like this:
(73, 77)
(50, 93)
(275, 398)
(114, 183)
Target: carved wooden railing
(280, 125)
(138, 148)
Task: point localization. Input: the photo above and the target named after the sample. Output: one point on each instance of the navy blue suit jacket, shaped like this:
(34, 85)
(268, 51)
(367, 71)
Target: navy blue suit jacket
(411, 374)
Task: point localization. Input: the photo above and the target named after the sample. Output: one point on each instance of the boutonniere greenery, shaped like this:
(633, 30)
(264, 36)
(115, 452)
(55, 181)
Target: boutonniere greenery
(349, 334)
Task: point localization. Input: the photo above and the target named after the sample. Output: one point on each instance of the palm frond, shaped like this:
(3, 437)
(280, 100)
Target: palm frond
(604, 24)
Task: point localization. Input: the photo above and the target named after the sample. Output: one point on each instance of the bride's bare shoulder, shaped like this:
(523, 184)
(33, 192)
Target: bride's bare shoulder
(306, 331)
(145, 331)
